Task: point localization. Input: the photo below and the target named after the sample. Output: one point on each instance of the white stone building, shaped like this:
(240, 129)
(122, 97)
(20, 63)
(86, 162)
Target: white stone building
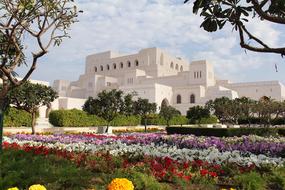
(154, 74)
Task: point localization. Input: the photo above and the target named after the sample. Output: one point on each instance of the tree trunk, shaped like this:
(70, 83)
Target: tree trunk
(1, 128)
(249, 123)
(48, 110)
(145, 123)
(33, 122)
(3, 107)
(107, 127)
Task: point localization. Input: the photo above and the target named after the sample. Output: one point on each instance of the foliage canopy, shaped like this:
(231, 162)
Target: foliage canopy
(216, 13)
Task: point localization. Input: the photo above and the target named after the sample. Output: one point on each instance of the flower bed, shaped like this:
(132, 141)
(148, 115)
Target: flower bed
(168, 158)
(244, 150)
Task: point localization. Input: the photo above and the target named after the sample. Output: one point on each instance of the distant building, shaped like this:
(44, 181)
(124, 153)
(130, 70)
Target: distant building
(154, 74)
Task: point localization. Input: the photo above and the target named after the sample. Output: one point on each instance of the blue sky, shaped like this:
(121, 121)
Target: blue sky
(128, 26)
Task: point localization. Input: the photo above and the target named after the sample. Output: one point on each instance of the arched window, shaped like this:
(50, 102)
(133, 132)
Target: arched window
(101, 68)
(108, 67)
(122, 65)
(136, 63)
(176, 66)
(114, 66)
(192, 99)
(129, 64)
(95, 69)
(178, 99)
(171, 65)
(181, 68)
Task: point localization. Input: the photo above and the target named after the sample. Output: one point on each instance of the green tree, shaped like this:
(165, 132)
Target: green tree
(267, 110)
(220, 107)
(246, 109)
(168, 112)
(143, 108)
(217, 13)
(45, 22)
(90, 106)
(230, 111)
(30, 97)
(196, 113)
(128, 105)
(107, 105)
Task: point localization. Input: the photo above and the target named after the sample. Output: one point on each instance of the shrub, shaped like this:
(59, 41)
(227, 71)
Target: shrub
(196, 113)
(74, 118)
(17, 118)
(122, 120)
(251, 181)
(251, 120)
(208, 120)
(178, 120)
(140, 180)
(254, 120)
(281, 131)
(22, 169)
(278, 121)
(156, 119)
(222, 132)
(276, 179)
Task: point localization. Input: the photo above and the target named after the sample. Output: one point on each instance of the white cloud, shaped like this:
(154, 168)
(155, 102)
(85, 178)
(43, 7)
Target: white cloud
(265, 31)
(128, 26)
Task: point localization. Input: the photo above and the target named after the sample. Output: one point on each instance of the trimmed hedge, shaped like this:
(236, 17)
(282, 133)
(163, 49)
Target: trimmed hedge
(179, 120)
(206, 120)
(156, 119)
(74, 118)
(122, 120)
(209, 120)
(17, 118)
(254, 120)
(281, 131)
(78, 118)
(225, 132)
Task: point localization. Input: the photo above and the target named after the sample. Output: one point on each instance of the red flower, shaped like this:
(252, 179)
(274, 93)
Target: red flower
(125, 163)
(216, 166)
(203, 172)
(6, 144)
(187, 177)
(168, 162)
(180, 174)
(186, 165)
(213, 174)
(156, 166)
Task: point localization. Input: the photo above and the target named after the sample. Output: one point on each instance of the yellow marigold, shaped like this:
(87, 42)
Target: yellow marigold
(13, 188)
(37, 187)
(120, 184)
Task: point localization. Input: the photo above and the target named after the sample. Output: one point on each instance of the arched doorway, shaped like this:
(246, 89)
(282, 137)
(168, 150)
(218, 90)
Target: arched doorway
(164, 102)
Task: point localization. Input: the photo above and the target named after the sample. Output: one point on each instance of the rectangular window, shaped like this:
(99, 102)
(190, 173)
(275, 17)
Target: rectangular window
(194, 75)
(130, 80)
(200, 74)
